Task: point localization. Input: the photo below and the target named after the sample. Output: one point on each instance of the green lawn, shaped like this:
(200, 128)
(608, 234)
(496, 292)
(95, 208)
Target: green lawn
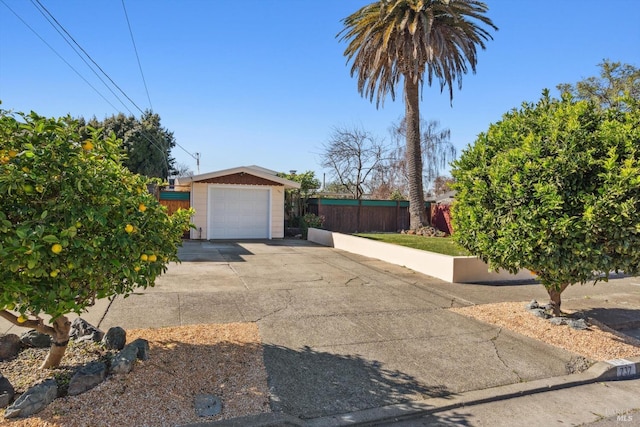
(441, 245)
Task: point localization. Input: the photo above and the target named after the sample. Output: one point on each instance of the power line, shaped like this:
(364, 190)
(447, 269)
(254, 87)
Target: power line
(47, 17)
(137, 56)
(58, 55)
(90, 58)
(156, 144)
(197, 155)
(56, 24)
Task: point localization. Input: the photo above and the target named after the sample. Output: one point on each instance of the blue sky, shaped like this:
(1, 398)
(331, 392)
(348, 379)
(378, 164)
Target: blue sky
(265, 82)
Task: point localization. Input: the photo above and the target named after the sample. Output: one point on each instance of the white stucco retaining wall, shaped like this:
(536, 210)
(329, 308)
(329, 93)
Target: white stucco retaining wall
(461, 269)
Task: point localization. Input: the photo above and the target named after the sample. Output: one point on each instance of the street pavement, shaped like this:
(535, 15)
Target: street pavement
(344, 334)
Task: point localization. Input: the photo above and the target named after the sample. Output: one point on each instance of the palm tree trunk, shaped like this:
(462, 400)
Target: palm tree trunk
(414, 153)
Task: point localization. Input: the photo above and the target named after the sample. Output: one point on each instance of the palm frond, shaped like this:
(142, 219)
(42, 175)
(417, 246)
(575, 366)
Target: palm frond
(415, 39)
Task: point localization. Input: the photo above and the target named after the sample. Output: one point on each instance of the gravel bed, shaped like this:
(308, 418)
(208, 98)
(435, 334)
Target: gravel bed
(223, 360)
(597, 343)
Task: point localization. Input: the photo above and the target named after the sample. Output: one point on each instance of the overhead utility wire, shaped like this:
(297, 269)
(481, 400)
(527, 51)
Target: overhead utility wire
(90, 58)
(144, 81)
(156, 144)
(196, 156)
(137, 56)
(55, 27)
(58, 55)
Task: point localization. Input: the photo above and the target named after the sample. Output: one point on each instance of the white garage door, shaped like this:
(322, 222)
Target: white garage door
(238, 213)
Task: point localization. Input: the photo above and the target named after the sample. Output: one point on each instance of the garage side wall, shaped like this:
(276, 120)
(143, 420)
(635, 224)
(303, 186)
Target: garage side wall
(199, 203)
(277, 212)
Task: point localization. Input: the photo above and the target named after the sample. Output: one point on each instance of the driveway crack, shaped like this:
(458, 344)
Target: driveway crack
(287, 303)
(493, 341)
(239, 276)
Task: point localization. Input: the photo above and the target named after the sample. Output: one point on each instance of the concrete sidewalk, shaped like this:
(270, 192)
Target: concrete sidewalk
(344, 334)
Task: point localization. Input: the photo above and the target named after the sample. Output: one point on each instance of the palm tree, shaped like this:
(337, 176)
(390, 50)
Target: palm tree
(390, 39)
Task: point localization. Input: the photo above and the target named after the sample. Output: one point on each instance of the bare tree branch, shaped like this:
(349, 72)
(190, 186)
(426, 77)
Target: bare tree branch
(352, 155)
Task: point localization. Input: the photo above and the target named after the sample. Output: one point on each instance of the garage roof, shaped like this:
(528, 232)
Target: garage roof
(251, 170)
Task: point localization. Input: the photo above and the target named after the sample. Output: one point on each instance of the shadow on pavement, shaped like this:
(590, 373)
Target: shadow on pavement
(212, 251)
(615, 317)
(309, 384)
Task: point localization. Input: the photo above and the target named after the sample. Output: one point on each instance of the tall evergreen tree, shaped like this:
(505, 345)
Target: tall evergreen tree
(147, 145)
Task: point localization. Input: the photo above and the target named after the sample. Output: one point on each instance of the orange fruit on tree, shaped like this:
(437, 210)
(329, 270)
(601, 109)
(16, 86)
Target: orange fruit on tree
(144, 257)
(22, 318)
(57, 248)
(142, 207)
(152, 258)
(87, 145)
(128, 228)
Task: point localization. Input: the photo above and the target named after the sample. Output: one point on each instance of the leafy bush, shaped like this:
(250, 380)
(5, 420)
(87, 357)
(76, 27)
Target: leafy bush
(555, 188)
(310, 220)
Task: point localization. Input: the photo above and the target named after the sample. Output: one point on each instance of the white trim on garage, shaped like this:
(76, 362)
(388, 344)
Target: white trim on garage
(239, 211)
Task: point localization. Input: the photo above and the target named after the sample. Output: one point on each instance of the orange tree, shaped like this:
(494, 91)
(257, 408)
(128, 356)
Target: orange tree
(75, 225)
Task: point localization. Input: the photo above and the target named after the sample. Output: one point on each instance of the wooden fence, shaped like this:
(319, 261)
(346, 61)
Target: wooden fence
(175, 200)
(350, 216)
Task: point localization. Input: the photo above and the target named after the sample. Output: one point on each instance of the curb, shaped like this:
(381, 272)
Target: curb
(618, 369)
(611, 370)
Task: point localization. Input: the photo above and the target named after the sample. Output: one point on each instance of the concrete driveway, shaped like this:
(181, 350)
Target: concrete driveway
(341, 332)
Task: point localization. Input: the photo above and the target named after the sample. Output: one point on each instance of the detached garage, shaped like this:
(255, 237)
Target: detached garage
(240, 203)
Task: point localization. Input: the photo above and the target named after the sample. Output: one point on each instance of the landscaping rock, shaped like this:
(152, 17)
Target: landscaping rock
(33, 400)
(9, 346)
(123, 362)
(143, 348)
(6, 392)
(540, 313)
(207, 405)
(579, 324)
(558, 321)
(426, 231)
(81, 330)
(87, 377)
(36, 339)
(115, 338)
(532, 305)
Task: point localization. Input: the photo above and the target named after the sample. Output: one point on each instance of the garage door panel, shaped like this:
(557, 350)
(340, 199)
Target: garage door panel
(238, 213)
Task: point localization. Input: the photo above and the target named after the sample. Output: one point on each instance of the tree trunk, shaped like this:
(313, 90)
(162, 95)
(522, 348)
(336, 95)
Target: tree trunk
(414, 153)
(61, 328)
(554, 298)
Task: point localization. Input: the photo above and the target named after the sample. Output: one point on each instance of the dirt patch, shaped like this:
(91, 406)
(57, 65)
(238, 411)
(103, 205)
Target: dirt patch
(222, 360)
(597, 343)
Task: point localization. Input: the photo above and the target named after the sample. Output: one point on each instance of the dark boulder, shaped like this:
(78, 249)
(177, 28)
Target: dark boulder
(9, 346)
